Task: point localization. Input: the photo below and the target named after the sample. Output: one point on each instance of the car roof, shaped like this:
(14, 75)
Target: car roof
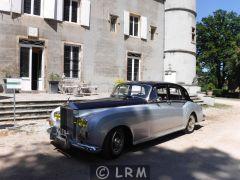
(152, 83)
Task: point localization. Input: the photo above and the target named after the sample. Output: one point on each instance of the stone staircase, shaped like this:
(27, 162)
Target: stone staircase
(28, 110)
(33, 110)
(197, 100)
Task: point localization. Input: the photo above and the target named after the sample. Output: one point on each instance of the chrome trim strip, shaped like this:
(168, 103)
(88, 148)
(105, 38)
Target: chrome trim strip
(85, 147)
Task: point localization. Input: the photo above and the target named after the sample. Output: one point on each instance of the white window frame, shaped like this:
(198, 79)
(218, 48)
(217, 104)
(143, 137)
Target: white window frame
(29, 78)
(139, 25)
(32, 9)
(70, 11)
(71, 60)
(133, 64)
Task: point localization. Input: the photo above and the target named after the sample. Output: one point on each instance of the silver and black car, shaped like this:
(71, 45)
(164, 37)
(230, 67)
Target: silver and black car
(136, 112)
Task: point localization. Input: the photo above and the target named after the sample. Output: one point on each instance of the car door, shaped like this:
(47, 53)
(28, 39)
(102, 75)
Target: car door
(176, 103)
(161, 115)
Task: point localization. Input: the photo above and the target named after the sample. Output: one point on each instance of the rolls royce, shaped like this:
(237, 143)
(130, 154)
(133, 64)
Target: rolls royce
(135, 112)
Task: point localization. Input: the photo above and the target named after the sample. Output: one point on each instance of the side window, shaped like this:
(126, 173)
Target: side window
(121, 90)
(138, 90)
(162, 94)
(176, 93)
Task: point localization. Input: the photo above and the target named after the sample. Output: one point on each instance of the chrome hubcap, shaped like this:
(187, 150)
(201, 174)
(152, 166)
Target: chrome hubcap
(191, 124)
(117, 142)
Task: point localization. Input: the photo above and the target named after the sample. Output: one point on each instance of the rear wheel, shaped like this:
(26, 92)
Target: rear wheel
(114, 143)
(191, 124)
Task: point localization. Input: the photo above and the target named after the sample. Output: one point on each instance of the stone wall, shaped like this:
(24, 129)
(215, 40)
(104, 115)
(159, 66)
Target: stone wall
(103, 56)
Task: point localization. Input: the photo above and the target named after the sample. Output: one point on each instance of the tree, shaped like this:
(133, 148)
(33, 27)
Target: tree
(218, 52)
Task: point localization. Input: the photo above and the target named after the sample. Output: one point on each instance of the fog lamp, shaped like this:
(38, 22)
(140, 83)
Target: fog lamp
(57, 116)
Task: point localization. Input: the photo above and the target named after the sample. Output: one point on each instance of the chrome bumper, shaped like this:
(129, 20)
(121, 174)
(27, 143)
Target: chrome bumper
(67, 142)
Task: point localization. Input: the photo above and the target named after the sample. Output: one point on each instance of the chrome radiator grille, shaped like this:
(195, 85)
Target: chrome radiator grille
(67, 119)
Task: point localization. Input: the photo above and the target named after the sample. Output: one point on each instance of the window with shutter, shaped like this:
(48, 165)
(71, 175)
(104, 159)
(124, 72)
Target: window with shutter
(27, 6)
(32, 7)
(74, 11)
(71, 61)
(70, 11)
(134, 26)
(66, 10)
(37, 7)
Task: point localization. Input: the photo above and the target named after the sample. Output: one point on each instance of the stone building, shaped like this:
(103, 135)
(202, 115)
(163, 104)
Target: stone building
(97, 41)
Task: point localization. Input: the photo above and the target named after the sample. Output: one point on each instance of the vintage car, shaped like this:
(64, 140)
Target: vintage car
(136, 112)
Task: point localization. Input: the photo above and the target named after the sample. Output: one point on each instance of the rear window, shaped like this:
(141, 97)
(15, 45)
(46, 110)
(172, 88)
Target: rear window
(176, 93)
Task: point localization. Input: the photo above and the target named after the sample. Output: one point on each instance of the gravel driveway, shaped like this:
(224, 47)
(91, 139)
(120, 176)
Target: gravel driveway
(212, 152)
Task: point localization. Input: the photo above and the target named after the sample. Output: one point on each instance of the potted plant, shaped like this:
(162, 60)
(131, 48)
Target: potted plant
(210, 88)
(54, 80)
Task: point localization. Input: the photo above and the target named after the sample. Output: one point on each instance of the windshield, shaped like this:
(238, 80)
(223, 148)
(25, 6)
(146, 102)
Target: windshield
(127, 90)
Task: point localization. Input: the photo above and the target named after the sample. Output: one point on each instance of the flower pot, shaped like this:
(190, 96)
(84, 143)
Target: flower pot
(209, 93)
(53, 86)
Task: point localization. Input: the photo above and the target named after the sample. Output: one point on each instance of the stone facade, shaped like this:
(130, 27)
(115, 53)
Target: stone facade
(103, 55)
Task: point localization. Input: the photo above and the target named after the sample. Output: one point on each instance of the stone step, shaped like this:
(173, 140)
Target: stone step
(194, 98)
(10, 103)
(21, 118)
(26, 111)
(30, 106)
(198, 101)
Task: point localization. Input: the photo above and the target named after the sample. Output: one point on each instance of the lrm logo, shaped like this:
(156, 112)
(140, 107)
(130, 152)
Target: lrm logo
(126, 172)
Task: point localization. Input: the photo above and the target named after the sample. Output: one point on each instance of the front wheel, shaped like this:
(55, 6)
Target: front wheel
(191, 124)
(114, 143)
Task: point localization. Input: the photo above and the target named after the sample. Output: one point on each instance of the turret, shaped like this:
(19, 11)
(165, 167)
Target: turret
(180, 41)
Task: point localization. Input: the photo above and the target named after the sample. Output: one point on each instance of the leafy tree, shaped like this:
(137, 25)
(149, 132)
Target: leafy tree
(218, 52)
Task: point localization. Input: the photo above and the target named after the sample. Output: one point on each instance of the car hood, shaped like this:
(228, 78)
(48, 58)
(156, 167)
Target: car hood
(106, 103)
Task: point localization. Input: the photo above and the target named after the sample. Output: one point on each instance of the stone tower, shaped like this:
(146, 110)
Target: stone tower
(180, 41)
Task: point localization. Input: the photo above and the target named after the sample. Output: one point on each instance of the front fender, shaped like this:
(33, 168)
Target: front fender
(100, 124)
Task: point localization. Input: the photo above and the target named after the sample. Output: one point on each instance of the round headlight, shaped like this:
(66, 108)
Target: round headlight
(82, 122)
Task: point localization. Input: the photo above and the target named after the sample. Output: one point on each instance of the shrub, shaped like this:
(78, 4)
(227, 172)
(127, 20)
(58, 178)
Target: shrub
(119, 81)
(210, 87)
(218, 92)
(54, 77)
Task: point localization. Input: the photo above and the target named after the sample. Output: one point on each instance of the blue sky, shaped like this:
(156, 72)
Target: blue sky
(207, 7)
